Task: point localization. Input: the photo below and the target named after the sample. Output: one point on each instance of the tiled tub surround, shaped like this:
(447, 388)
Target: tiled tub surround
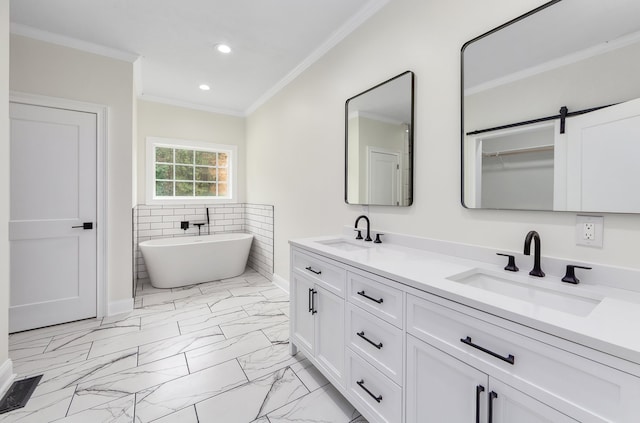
(213, 352)
(151, 222)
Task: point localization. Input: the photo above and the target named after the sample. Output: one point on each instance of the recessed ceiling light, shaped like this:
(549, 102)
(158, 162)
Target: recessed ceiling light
(223, 48)
(205, 87)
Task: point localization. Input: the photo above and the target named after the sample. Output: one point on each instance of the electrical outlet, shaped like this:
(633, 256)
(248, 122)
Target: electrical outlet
(589, 230)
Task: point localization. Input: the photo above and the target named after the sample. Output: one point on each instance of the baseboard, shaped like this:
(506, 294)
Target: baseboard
(6, 376)
(120, 306)
(281, 283)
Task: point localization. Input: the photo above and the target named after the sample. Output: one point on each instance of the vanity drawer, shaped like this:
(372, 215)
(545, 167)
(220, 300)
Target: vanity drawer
(376, 396)
(317, 269)
(568, 382)
(379, 299)
(376, 340)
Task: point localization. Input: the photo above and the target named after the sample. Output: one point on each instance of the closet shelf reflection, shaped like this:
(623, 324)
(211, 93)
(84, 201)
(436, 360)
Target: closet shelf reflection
(519, 151)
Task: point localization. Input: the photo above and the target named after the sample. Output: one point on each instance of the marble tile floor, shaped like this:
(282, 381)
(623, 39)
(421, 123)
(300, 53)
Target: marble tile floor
(216, 352)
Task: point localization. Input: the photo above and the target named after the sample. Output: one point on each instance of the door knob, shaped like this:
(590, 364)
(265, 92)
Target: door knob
(85, 225)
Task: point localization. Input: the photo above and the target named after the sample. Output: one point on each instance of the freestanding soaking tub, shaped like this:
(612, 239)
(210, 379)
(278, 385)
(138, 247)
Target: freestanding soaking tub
(180, 261)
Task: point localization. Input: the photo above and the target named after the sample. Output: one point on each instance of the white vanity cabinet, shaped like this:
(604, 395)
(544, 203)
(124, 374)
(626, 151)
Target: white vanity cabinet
(375, 347)
(533, 380)
(442, 388)
(403, 355)
(317, 312)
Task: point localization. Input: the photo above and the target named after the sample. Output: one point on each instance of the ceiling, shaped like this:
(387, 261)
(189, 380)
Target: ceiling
(173, 42)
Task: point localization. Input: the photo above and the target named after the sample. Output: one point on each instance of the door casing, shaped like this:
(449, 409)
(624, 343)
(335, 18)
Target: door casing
(101, 112)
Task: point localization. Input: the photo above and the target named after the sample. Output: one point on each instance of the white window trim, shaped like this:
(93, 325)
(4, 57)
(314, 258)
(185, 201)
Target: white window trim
(152, 142)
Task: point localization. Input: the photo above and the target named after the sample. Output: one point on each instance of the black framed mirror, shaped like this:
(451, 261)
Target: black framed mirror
(551, 110)
(379, 144)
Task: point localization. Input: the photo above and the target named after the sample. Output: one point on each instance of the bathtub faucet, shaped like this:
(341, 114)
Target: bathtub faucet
(199, 225)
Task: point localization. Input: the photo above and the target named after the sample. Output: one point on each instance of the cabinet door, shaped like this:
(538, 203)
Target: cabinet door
(330, 332)
(441, 388)
(302, 320)
(510, 405)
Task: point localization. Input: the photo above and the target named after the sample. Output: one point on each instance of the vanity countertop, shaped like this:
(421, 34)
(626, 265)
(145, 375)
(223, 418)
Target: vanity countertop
(611, 327)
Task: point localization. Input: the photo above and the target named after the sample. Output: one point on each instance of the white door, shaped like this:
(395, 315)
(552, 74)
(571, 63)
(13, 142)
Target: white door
(53, 193)
(441, 388)
(329, 332)
(601, 160)
(302, 319)
(383, 180)
(512, 406)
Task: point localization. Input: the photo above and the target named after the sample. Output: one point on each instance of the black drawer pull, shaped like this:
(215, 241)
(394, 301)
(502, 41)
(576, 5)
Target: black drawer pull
(479, 390)
(310, 269)
(509, 359)
(492, 396)
(361, 384)
(310, 300)
(369, 298)
(313, 301)
(361, 335)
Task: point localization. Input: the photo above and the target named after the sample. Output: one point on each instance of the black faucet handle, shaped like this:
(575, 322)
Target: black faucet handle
(378, 241)
(359, 231)
(570, 275)
(511, 266)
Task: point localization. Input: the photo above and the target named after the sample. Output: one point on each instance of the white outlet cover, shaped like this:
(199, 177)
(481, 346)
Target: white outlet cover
(598, 222)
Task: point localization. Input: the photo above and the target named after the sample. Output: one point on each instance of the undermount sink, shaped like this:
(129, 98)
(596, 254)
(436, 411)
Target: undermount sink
(344, 245)
(576, 304)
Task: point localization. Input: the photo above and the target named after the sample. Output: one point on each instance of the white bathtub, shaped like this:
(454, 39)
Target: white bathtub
(180, 261)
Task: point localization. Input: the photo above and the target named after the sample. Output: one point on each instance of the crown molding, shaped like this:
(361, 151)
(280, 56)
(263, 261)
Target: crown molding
(189, 105)
(50, 37)
(340, 34)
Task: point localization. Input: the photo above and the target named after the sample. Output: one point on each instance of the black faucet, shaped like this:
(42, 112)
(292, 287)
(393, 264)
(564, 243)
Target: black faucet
(536, 271)
(368, 238)
(199, 225)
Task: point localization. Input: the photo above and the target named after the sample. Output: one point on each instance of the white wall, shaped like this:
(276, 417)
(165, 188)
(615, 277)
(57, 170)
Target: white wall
(166, 121)
(46, 69)
(295, 141)
(4, 182)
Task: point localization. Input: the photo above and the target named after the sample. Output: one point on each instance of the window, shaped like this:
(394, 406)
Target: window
(189, 171)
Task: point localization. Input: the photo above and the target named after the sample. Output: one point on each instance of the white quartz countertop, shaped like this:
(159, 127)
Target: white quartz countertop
(611, 327)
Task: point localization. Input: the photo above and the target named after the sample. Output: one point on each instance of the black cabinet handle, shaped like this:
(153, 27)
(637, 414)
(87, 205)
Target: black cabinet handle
(509, 359)
(479, 391)
(310, 300)
(492, 396)
(85, 226)
(361, 384)
(313, 301)
(310, 269)
(369, 298)
(361, 335)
